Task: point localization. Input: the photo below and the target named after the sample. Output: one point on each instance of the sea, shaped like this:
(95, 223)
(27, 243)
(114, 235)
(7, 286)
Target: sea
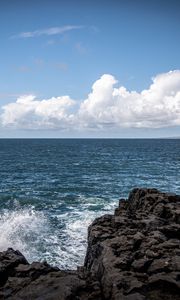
(52, 189)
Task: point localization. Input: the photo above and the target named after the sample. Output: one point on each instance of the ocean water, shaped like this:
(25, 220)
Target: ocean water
(52, 189)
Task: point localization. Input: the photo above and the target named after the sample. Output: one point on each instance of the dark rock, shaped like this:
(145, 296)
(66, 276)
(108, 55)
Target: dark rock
(144, 244)
(131, 255)
(9, 260)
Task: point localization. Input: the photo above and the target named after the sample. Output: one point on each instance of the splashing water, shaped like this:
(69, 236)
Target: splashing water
(31, 232)
(51, 190)
(22, 230)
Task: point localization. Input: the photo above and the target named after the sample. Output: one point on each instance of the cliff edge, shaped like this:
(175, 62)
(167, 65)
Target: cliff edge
(131, 255)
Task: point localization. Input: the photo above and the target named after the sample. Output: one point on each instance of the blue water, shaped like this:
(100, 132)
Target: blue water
(51, 189)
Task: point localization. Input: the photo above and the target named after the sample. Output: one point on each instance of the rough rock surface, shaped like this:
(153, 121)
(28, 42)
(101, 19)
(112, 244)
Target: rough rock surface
(132, 255)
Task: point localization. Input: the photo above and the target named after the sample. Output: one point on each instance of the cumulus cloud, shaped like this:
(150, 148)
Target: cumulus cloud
(106, 106)
(47, 31)
(156, 107)
(30, 113)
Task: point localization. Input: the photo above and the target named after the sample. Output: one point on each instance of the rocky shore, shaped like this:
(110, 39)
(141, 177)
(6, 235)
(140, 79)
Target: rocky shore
(131, 255)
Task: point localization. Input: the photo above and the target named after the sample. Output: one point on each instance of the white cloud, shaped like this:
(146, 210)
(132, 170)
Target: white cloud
(106, 106)
(29, 113)
(158, 106)
(47, 31)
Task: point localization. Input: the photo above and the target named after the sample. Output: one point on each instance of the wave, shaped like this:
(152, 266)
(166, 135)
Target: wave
(22, 229)
(58, 237)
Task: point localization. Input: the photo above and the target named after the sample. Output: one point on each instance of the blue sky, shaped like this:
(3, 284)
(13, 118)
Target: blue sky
(54, 48)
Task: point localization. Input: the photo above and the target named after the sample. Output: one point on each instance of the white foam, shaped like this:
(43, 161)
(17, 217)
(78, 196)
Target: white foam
(20, 229)
(32, 232)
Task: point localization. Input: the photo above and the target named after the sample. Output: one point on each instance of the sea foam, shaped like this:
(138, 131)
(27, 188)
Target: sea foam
(22, 229)
(34, 233)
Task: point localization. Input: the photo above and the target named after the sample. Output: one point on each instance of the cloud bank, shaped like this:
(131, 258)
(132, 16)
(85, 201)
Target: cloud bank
(47, 31)
(29, 113)
(106, 106)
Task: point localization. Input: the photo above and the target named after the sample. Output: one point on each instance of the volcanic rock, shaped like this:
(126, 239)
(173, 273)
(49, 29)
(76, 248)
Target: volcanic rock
(131, 255)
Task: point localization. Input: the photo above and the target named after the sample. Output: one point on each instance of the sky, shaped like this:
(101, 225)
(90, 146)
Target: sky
(90, 68)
